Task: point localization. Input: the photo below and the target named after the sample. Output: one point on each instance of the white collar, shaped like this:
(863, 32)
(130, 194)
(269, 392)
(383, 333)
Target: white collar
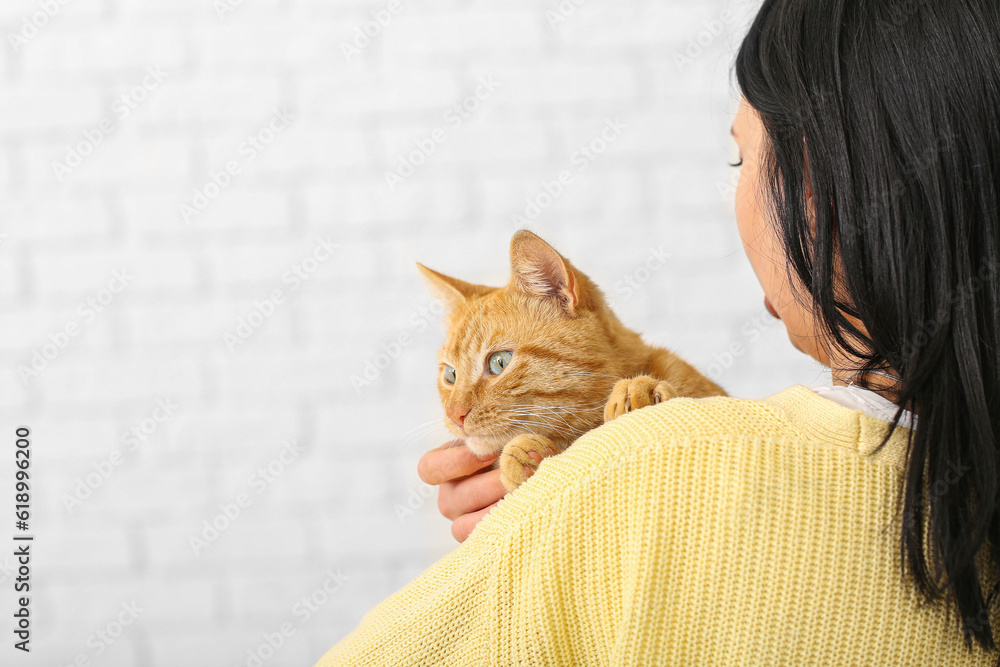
(867, 401)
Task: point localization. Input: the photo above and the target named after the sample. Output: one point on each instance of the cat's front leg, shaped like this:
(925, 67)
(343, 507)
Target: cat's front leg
(635, 393)
(514, 458)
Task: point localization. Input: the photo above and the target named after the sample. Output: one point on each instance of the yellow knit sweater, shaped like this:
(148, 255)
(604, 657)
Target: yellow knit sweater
(714, 531)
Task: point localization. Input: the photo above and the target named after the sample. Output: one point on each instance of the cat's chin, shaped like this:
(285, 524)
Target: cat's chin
(485, 445)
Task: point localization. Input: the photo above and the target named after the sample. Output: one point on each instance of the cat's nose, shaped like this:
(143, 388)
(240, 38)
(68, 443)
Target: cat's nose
(458, 413)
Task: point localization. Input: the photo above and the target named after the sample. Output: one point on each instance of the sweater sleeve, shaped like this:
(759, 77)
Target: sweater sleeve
(556, 574)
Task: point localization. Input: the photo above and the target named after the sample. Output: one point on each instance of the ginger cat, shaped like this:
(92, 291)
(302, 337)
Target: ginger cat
(534, 365)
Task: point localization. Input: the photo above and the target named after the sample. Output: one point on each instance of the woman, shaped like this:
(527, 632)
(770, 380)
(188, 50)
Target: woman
(856, 525)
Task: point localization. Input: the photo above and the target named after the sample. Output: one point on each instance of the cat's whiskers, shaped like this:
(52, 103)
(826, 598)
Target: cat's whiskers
(502, 431)
(566, 411)
(432, 422)
(532, 424)
(543, 416)
(560, 412)
(508, 432)
(526, 419)
(567, 406)
(420, 432)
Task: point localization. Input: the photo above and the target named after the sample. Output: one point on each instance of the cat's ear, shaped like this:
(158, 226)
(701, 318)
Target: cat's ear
(453, 290)
(538, 270)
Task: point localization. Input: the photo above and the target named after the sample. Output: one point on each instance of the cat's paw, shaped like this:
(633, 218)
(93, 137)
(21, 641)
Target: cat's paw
(635, 393)
(515, 464)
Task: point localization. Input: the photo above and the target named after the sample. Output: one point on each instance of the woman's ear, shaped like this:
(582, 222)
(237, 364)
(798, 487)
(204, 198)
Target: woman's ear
(807, 189)
(807, 177)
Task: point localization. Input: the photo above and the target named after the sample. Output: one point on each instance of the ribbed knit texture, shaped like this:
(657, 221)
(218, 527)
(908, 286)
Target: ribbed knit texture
(713, 531)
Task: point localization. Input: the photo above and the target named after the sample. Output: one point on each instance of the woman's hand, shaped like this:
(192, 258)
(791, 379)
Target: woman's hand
(469, 488)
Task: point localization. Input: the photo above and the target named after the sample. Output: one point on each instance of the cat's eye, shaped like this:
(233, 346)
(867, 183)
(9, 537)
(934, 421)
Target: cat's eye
(449, 374)
(498, 361)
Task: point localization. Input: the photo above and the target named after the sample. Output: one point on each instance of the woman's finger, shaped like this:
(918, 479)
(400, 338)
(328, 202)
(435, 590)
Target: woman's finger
(462, 527)
(449, 461)
(474, 493)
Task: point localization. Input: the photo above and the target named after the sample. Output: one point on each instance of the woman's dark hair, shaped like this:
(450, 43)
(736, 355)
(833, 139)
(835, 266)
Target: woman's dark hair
(890, 111)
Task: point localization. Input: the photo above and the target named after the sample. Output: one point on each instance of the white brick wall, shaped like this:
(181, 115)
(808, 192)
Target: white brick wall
(560, 77)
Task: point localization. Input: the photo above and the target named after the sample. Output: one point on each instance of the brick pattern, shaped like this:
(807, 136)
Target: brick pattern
(170, 170)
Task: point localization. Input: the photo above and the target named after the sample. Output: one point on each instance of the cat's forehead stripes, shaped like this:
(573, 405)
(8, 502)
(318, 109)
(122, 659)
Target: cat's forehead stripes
(476, 330)
(560, 355)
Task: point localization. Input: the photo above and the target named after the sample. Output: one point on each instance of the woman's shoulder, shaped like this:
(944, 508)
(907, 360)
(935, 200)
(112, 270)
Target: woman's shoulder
(797, 417)
(725, 442)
